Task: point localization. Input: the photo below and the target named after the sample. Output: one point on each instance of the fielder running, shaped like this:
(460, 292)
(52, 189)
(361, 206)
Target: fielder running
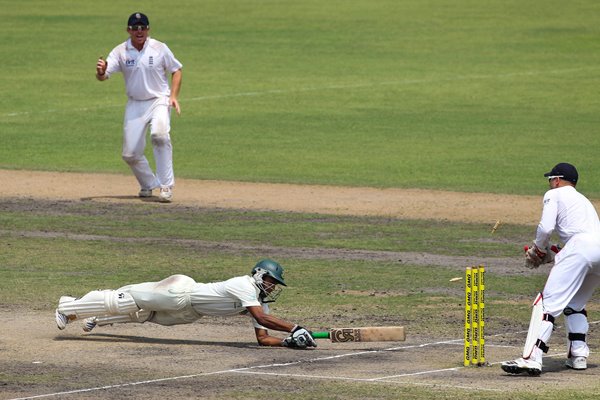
(572, 280)
(178, 299)
(146, 64)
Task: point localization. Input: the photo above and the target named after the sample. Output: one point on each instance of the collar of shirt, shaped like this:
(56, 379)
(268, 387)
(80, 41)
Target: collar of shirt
(130, 46)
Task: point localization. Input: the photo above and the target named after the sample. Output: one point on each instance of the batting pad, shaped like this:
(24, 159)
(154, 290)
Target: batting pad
(140, 316)
(100, 302)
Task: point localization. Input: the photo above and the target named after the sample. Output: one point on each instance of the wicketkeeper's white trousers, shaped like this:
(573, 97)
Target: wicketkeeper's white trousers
(571, 283)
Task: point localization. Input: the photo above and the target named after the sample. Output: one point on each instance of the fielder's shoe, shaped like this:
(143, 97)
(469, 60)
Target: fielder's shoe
(145, 193)
(89, 324)
(521, 365)
(577, 363)
(166, 195)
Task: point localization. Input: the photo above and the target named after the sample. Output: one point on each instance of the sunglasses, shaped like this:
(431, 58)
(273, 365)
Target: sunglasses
(555, 176)
(138, 27)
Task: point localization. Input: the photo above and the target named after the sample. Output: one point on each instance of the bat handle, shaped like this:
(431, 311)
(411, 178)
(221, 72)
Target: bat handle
(320, 335)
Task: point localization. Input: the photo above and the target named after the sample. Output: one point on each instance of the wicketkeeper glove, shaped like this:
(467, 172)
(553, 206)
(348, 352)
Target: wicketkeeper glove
(534, 257)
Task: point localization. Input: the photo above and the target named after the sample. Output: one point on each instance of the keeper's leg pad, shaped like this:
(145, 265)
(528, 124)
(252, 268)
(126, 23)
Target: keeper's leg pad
(577, 327)
(100, 302)
(139, 317)
(540, 330)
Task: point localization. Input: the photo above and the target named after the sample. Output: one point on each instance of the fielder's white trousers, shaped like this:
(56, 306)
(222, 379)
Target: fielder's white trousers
(139, 116)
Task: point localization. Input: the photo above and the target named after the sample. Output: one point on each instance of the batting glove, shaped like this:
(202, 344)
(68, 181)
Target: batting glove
(290, 342)
(300, 338)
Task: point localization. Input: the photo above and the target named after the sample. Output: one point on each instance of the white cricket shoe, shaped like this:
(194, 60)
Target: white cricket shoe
(89, 324)
(61, 320)
(145, 193)
(577, 363)
(165, 195)
(521, 365)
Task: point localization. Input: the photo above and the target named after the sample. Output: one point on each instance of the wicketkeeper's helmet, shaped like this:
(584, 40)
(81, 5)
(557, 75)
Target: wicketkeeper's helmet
(268, 268)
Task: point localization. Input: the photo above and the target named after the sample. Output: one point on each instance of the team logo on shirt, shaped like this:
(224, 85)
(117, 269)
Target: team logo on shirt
(150, 61)
(130, 63)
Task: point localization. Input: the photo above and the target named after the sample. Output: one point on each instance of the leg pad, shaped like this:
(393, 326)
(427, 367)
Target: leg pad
(99, 302)
(140, 316)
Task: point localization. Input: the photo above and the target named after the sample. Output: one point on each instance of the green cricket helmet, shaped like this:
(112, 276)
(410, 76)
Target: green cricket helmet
(266, 267)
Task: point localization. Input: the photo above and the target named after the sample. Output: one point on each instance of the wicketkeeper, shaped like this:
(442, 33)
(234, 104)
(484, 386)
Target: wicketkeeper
(572, 280)
(179, 299)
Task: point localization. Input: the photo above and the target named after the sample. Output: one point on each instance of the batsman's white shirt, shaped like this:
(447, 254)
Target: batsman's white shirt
(229, 297)
(145, 72)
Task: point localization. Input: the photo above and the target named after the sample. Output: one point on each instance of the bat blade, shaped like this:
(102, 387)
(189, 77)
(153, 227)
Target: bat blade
(364, 334)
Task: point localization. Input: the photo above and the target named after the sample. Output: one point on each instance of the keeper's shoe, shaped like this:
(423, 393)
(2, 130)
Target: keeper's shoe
(577, 363)
(89, 324)
(521, 365)
(145, 193)
(165, 195)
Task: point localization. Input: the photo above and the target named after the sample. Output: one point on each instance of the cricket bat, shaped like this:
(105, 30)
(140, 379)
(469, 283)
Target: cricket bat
(365, 334)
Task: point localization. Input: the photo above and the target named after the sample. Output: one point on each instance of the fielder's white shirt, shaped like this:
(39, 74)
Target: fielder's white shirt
(146, 72)
(226, 298)
(569, 212)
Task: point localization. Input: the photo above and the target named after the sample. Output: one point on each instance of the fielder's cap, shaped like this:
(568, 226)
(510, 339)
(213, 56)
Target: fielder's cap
(565, 171)
(138, 19)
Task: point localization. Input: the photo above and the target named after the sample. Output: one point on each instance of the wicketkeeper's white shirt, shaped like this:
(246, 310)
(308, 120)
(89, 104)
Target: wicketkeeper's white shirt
(146, 72)
(569, 212)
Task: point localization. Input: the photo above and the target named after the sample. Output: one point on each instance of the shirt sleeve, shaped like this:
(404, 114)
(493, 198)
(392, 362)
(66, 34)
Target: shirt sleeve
(171, 63)
(548, 221)
(113, 62)
(242, 289)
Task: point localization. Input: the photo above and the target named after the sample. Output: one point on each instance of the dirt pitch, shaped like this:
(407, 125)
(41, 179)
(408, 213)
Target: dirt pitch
(218, 358)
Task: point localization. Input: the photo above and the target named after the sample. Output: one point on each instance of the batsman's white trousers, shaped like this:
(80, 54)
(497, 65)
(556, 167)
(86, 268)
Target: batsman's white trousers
(139, 115)
(166, 303)
(169, 299)
(571, 283)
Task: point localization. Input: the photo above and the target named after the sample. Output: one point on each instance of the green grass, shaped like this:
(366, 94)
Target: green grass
(465, 95)
(265, 228)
